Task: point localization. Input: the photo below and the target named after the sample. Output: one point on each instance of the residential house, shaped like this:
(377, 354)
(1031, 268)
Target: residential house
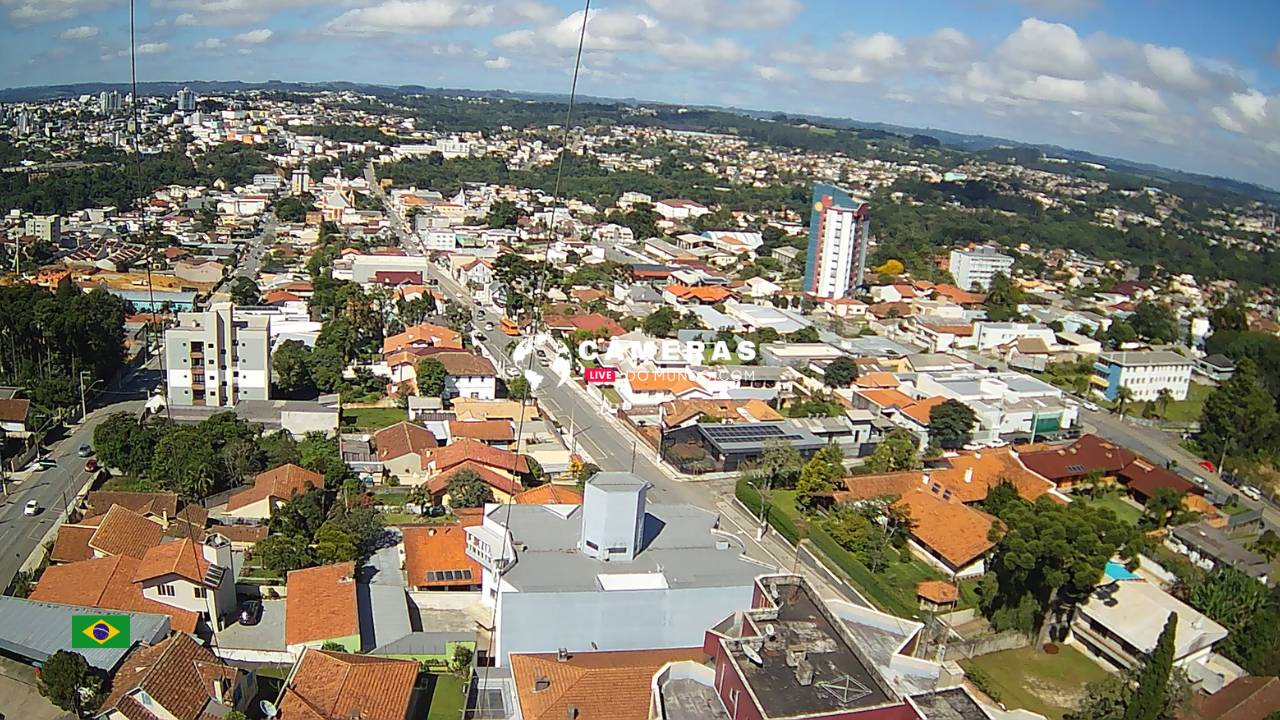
(549, 494)
(1209, 548)
(1216, 367)
(107, 584)
(496, 433)
(124, 532)
(695, 295)
(197, 577)
(1122, 620)
(270, 490)
(724, 447)
(680, 209)
(1247, 698)
(400, 449)
(423, 335)
(614, 685)
(327, 685)
(500, 469)
(177, 679)
(435, 558)
(321, 606)
(468, 376)
(1067, 466)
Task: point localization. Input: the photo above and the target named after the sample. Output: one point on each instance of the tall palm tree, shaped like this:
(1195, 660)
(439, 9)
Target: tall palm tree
(1163, 398)
(1123, 397)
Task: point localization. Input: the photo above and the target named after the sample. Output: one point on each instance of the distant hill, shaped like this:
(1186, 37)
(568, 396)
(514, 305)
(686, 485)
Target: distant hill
(959, 141)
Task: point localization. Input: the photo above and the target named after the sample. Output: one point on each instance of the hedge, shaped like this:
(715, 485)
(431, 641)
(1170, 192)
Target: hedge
(750, 497)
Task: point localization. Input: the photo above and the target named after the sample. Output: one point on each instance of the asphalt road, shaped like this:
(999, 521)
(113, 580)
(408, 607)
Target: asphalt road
(253, 256)
(52, 489)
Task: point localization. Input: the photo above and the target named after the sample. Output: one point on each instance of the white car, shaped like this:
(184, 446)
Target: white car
(31, 508)
(1251, 492)
(997, 443)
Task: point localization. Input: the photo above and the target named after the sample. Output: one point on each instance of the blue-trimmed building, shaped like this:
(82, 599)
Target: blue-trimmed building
(839, 228)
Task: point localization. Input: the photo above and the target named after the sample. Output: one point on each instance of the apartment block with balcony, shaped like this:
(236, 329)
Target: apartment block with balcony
(1145, 373)
(218, 358)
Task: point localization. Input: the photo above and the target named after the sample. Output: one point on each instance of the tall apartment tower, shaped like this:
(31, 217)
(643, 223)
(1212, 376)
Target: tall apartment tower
(839, 227)
(186, 100)
(974, 268)
(218, 358)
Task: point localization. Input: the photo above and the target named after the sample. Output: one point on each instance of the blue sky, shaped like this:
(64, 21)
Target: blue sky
(1188, 84)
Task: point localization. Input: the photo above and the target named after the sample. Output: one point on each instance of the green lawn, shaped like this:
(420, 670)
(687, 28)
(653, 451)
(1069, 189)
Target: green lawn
(1179, 410)
(1234, 509)
(1030, 679)
(374, 418)
(611, 395)
(1115, 504)
(127, 483)
(448, 696)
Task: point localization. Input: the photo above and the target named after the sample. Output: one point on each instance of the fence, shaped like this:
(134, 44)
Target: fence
(987, 644)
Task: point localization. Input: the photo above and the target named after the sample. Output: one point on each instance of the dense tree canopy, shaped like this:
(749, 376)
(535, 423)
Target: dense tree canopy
(951, 424)
(466, 489)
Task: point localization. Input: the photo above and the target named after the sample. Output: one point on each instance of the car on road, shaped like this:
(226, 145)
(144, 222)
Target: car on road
(1251, 492)
(1208, 465)
(44, 463)
(31, 508)
(997, 443)
(91, 465)
(85, 450)
(250, 612)
(489, 325)
(1091, 407)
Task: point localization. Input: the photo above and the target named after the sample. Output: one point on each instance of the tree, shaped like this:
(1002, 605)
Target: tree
(1164, 396)
(1267, 545)
(1162, 508)
(1003, 298)
(1109, 698)
(186, 462)
(291, 364)
(807, 334)
(461, 657)
(1239, 416)
(850, 529)
(1155, 321)
(951, 424)
(319, 453)
(1231, 317)
(503, 214)
(1148, 701)
(1118, 333)
(779, 465)
(244, 291)
(334, 545)
(282, 553)
(68, 682)
(431, 375)
(123, 442)
(1250, 614)
(899, 450)
(466, 489)
(840, 372)
(818, 476)
(293, 209)
(518, 388)
(235, 715)
(660, 322)
(1047, 558)
(1124, 396)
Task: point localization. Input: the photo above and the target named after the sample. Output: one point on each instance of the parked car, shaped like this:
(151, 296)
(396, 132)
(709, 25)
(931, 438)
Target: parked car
(250, 612)
(1208, 465)
(32, 508)
(437, 511)
(488, 326)
(44, 464)
(997, 443)
(1091, 407)
(85, 450)
(1251, 492)
(91, 465)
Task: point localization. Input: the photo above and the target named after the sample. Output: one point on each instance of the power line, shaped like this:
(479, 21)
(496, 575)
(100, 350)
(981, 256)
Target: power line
(535, 320)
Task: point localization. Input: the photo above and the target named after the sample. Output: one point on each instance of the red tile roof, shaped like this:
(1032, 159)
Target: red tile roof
(466, 364)
(177, 673)
(281, 482)
(125, 532)
(14, 410)
(437, 548)
(496, 480)
(163, 504)
(954, 531)
(483, 430)
(1088, 452)
(464, 450)
(423, 334)
(320, 604)
(181, 557)
(706, 294)
(549, 494)
(338, 686)
(605, 685)
(72, 544)
(1145, 478)
(937, 591)
(401, 439)
(106, 583)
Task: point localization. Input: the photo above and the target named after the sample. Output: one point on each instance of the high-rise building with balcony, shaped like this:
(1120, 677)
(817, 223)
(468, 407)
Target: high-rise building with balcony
(839, 227)
(218, 357)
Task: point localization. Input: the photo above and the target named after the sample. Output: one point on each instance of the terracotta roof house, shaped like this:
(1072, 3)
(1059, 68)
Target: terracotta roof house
(72, 544)
(125, 532)
(176, 678)
(593, 323)
(500, 483)
(468, 375)
(164, 505)
(423, 335)
(327, 685)
(1143, 478)
(677, 413)
(614, 685)
(321, 605)
(498, 433)
(435, 558)
(13, 414)
(400, 449)
(465, 450)
(939, 593)
(549, 494)
(106, 583)
(1248, 698)
(951, 532)
(271, 489)
(696, 294)
(1066, 466)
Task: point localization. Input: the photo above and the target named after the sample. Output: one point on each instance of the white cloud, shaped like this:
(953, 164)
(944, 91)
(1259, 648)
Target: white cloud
(152, 48)
(729, 14)
(1251, 105)
(412, 16)
(30, 12)
(497, 63)
(1173, 67)
(1048, 48)
(186, 20)
(714, 52)
(254, 37)
(210, 44)
(770, 73)
(879, 47)
(80, 32)
(235, 12)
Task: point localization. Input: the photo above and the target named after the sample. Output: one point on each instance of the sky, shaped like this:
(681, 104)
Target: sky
(1183, 83)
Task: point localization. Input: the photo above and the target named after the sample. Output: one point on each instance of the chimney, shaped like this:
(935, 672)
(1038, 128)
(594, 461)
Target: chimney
(795, 655)
(977, 455)
(217, 691)
(968, 475)
(924, 478)
(431, 532)
(571, 712)
(562, 655)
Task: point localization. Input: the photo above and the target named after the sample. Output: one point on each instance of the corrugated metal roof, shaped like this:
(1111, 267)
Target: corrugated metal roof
(35, 630)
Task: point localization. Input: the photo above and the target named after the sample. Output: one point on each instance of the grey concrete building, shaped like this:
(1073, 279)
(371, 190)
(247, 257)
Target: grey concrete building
(218, 358)
(615, 573)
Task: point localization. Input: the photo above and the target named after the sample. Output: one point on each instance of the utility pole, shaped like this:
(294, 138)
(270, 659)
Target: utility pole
(83, 407)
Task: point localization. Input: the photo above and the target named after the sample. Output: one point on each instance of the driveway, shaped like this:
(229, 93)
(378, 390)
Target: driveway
(19, 699)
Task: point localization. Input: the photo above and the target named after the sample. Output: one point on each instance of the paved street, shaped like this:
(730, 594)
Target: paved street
(52, 489)
(257, 249)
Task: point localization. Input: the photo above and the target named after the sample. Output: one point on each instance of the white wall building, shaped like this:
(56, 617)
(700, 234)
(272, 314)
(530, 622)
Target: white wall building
(218, 357)
(838, 235)
(974, 268)
(1145, 373)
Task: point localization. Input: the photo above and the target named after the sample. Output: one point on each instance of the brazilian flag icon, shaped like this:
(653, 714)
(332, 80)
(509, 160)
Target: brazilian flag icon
(100, 631)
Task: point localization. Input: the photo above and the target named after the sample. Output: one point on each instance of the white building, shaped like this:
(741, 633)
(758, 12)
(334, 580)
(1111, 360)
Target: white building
(974, 268)
(198, 578)
(839, 228)
(218, 357)
(615, 573)
(1144, 372)
(992, 335)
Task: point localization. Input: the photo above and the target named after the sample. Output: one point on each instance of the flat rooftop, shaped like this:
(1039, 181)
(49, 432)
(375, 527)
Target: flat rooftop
(685, 699)
(953, 704)
(841, 681)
